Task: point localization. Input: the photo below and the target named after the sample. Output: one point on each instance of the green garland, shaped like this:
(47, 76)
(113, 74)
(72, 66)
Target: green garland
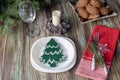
(9, 13)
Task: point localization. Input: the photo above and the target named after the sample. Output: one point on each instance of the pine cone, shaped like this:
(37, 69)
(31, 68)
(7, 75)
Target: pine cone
(1, 23)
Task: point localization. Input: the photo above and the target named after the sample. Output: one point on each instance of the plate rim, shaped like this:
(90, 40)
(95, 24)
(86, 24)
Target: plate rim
(67, 67)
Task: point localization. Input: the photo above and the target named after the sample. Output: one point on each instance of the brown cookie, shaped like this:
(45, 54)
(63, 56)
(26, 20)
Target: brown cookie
(104, 11)
(93, 16)
(92, 10)
(96, 3)
(82, 12)
(81, 3)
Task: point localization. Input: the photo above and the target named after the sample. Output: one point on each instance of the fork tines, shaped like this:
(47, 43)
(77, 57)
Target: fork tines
(96, 37)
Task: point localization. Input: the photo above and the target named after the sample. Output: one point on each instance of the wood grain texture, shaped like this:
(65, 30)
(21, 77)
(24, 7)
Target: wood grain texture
(15, 61)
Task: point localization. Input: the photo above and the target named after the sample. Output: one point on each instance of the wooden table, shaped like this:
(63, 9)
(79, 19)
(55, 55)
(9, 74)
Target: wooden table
(15, 48)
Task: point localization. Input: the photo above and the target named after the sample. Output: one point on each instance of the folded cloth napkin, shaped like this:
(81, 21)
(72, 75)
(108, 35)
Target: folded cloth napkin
(107, 36)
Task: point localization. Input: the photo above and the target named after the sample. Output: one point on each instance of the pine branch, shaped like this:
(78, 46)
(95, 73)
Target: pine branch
(93, 48)
(8, 15)
(9, 12)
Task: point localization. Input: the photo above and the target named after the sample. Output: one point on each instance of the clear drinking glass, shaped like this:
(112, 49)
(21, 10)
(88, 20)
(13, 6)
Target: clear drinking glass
(27, 13)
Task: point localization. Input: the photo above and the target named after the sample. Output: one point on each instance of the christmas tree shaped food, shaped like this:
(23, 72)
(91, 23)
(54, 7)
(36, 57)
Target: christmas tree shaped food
(52, 54)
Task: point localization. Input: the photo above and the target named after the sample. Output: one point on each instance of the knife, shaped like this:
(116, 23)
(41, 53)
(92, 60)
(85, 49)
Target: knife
(93, 63)
(104, 66)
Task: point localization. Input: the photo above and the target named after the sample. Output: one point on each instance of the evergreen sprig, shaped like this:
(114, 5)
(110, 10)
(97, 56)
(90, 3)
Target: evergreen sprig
(93, 48)
(9, 13)
(40, 4)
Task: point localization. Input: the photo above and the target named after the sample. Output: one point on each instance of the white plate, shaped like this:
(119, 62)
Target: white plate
(68, 49)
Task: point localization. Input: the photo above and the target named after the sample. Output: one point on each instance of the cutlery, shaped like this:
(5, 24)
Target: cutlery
(96, 41)
(93, 63)
(104, 66)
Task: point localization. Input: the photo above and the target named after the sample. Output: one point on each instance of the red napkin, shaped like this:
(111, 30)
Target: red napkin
(107, 36)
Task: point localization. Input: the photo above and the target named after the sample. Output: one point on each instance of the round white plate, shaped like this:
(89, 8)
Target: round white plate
(69, 50)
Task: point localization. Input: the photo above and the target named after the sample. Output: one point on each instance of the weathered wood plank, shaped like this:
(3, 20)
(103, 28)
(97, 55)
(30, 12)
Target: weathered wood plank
(15, 62)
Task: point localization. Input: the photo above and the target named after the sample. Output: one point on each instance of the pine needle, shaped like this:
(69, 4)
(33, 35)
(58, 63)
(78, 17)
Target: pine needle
(93, 48)
(9, 12)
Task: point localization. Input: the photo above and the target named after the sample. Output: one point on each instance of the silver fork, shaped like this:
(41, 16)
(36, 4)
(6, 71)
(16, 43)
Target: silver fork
(96, 41)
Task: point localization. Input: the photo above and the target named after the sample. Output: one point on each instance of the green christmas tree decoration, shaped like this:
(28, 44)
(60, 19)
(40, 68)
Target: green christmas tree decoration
(52, 54)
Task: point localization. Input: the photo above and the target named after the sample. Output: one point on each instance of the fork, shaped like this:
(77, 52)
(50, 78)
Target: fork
(96, 41)
(96, 38)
